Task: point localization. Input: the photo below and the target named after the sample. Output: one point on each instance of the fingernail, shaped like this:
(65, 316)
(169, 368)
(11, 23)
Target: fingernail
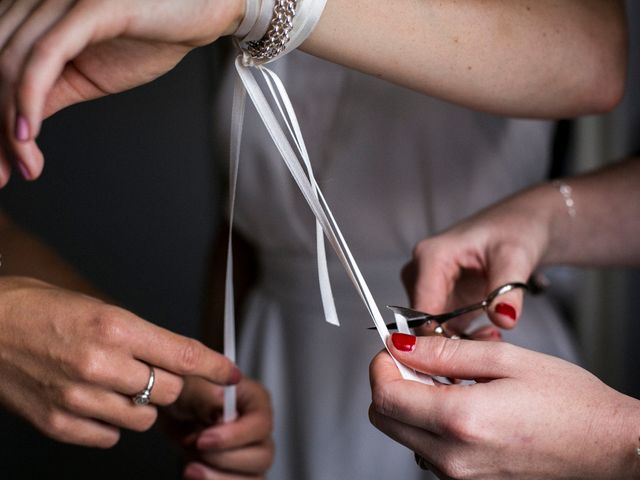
(507, 310)
(236, 376)
(194, 471)
(208, 441)
(22, 129)
(403, 342)
(24, 171)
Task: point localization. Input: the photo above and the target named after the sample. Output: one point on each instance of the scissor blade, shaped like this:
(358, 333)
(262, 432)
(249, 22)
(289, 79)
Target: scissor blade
(414, 317)
(408, 313)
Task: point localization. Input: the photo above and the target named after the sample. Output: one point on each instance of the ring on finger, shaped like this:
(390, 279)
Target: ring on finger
(143, 397)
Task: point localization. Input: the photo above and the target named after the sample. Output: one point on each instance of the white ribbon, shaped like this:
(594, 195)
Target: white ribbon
(310, 11)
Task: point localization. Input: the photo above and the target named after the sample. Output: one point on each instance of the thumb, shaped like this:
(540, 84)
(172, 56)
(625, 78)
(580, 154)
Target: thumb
(431, 275)
(455, 358)
(507, 266)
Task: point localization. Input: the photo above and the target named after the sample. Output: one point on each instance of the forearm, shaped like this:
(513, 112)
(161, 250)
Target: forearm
(606, 228)
(518, 58)
(27, 256)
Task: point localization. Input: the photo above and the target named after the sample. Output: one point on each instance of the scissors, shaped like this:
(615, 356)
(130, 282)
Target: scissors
(416, 318)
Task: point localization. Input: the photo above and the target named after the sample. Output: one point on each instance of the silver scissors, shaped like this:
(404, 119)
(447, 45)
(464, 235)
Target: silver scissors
(416, 318)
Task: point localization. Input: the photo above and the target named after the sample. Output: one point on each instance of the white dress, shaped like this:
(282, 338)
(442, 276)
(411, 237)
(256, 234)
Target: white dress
(395, 166)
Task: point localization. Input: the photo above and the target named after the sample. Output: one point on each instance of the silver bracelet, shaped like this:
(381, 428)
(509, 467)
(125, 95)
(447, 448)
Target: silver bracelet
(567, 195)
(277, 36)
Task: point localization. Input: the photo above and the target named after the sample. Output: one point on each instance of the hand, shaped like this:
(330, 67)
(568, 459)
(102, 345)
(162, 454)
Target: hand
(70, 363)
(242, 449)
(55, 53)
(532, 416)
(502, 244)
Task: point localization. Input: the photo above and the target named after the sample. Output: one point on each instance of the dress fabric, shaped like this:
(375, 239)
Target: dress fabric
(395, 166)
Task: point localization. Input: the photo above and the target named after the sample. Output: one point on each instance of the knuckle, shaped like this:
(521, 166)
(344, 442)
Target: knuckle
(173, 389)
(382, 400)
(145, 420)
(441, 351)
(190, 355)
(89, 366)
(452, 465)
(73, 398)
(465, 426)
(56, 426)
(109, 324)
(44, 48)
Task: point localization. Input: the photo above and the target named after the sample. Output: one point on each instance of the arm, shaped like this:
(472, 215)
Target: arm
(530, 416)
(70, 363)
(508, 57)
(509, 240)
(516, 58)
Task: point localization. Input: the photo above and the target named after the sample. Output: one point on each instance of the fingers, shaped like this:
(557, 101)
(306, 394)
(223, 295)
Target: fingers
(108, 407)
(507, 263)
(403, 400)
(177, 354)
(83, 24)
(253, 425)
(247, 460)
(425, 443)
(199, 471)
(67, 428)
(457, 358)
(430, 277)
(20, 27)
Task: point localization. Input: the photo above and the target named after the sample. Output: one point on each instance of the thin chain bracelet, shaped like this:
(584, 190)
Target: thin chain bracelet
(567, 195)
(277, 36)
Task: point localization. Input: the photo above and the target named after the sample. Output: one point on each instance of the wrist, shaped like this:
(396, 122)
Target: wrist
(625, 438)
(236, 12)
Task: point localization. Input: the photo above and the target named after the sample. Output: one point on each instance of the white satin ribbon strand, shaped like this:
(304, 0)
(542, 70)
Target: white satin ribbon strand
(309, 187)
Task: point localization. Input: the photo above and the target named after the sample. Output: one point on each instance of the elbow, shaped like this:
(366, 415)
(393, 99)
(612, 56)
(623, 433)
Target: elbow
(604, 73)
(605, 87)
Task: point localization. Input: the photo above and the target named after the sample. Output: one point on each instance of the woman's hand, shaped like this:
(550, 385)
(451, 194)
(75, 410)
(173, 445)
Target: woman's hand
(70, 363)
(532, 416)
(502, 244)
(242, 449)
(54, 53)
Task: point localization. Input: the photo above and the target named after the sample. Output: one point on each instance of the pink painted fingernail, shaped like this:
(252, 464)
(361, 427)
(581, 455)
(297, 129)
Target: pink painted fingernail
(193, 471)
(507, 310)
(22, 129)
(209, 440)
(24, 171)
(403, 342)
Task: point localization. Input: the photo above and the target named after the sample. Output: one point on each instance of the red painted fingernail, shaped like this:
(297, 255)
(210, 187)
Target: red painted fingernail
(507, 310)
(403, 342)
(22, 129)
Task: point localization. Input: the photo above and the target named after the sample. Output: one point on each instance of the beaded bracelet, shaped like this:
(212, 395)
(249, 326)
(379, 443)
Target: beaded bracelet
(275, 40)
(567, 195)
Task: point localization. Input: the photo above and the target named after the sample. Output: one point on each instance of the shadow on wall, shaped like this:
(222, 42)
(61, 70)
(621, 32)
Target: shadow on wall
(128, 196)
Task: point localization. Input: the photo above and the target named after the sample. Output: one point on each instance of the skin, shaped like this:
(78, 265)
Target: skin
(241, 450)
(70, 361)
(508, 241)
(531, 416)
(55, 53)
(525, 401)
